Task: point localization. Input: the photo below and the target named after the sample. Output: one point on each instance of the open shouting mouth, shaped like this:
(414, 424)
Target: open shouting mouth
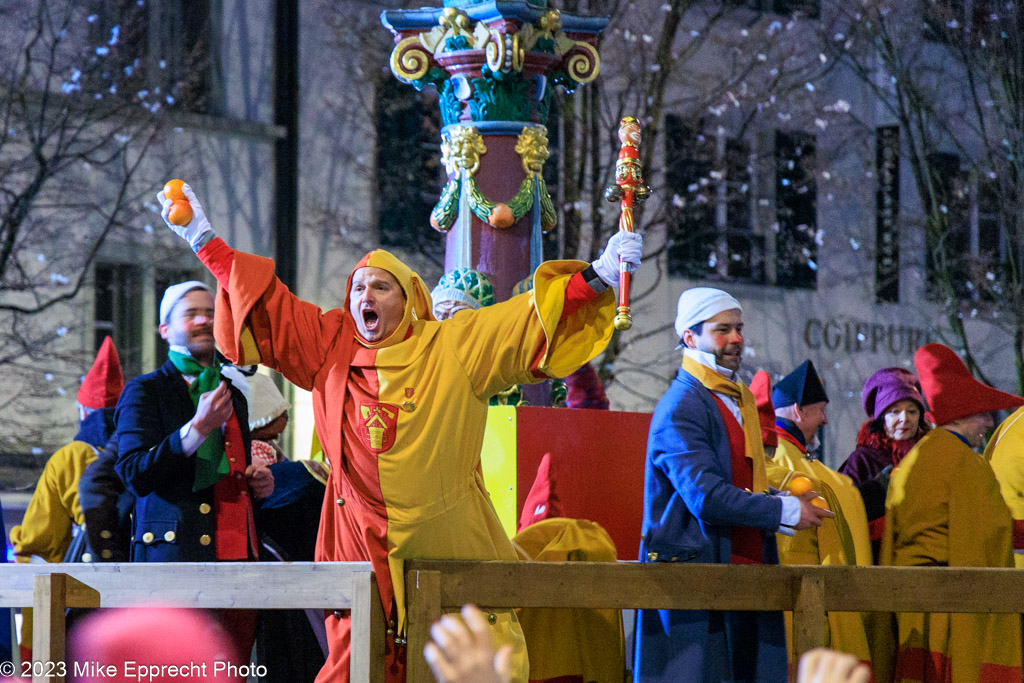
(370, 319)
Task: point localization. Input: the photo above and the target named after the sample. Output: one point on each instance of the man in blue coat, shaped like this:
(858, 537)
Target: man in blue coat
(184, 451)
(705, 501)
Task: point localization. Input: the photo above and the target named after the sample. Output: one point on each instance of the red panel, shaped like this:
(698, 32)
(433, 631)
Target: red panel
(597, 461)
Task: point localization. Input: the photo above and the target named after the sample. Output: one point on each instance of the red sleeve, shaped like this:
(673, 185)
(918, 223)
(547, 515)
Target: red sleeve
(577, 294)
(217, 256)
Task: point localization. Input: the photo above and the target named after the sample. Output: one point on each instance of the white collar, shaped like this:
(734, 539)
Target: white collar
(183, 350)
(708, 361)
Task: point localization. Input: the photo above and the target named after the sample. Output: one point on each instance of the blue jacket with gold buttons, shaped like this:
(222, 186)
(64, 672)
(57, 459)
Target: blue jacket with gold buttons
(172, 523)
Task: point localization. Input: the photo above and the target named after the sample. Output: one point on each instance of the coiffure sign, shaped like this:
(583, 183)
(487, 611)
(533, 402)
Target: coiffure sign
(858, 336)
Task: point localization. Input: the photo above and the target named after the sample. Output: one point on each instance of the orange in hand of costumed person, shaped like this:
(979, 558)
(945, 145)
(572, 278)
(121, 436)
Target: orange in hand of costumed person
(180, 212)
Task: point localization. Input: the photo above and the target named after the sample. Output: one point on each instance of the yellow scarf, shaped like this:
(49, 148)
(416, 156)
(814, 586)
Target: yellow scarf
(753, 447)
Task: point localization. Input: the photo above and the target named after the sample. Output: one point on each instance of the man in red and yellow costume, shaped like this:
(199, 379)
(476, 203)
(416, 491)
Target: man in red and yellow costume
(400, 401)
(944, 508)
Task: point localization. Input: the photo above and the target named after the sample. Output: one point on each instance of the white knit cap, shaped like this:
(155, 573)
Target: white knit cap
(262, 396)
(173, 294)
(701, 303)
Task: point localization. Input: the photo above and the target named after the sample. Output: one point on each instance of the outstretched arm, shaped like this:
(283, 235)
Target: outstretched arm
(257, 318)
(550, 332)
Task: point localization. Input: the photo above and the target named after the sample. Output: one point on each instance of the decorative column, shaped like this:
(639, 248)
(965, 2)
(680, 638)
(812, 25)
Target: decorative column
(494, 64)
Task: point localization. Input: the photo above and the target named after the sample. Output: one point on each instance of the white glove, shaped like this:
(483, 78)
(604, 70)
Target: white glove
(199, 231)
(625, 246)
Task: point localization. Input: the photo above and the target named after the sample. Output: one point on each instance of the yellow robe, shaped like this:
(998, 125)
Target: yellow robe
(1005, 452)
(52, 513)
(568, 643)
(843, 540)
(944, 508)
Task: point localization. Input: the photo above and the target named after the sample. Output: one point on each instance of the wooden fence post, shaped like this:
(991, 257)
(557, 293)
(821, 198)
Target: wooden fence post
(366, 661)
(422, 608)
(49, 600)
(808, 615)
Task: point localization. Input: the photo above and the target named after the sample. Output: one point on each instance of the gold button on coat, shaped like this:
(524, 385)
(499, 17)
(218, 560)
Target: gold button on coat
(205, 508)
(492, 618)
(205, 539)
(169, 537)
(340, 501)
(147, 537)
(107, 553)
(105, 534)
(652, 557)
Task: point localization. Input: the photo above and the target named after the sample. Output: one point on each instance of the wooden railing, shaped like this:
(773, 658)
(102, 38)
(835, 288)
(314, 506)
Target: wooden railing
(809, 592)
(433, 586)
(50, 588)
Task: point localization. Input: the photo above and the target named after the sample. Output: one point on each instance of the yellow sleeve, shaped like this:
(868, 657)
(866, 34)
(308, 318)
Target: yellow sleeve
(504, 344)
(54, 508)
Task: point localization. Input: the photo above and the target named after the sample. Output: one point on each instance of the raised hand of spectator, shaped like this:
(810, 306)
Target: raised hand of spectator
(461, 651)
(822, 665)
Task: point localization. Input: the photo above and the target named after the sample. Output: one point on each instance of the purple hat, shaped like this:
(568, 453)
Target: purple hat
(887, 386)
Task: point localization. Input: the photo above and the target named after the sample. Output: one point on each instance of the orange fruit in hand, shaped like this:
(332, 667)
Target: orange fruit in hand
(180, 212)
(800, 485)
(819, 502)
(172, 190)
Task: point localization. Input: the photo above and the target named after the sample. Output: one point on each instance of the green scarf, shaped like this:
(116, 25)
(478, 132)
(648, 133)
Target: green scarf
(211, 461)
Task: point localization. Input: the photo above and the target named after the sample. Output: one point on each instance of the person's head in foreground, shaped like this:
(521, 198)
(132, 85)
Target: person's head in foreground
(711, 321)
(138, 641)
(956, 400)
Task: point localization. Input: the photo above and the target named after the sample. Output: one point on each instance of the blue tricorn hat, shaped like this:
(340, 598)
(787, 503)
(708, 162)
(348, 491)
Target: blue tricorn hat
(801, 387)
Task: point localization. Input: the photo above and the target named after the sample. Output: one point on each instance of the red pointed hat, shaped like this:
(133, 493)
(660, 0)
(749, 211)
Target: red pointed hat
(951, 390)
(761, 387)
(541, 502)
(103, 384)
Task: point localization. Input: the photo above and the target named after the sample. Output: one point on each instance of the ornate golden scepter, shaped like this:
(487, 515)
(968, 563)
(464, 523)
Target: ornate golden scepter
(629, 187)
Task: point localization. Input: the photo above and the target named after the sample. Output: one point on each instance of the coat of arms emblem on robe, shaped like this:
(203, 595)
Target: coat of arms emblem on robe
(379, 421)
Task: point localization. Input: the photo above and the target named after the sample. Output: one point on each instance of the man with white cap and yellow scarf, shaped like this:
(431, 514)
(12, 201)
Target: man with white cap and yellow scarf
(704, 501)
(400, 402)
